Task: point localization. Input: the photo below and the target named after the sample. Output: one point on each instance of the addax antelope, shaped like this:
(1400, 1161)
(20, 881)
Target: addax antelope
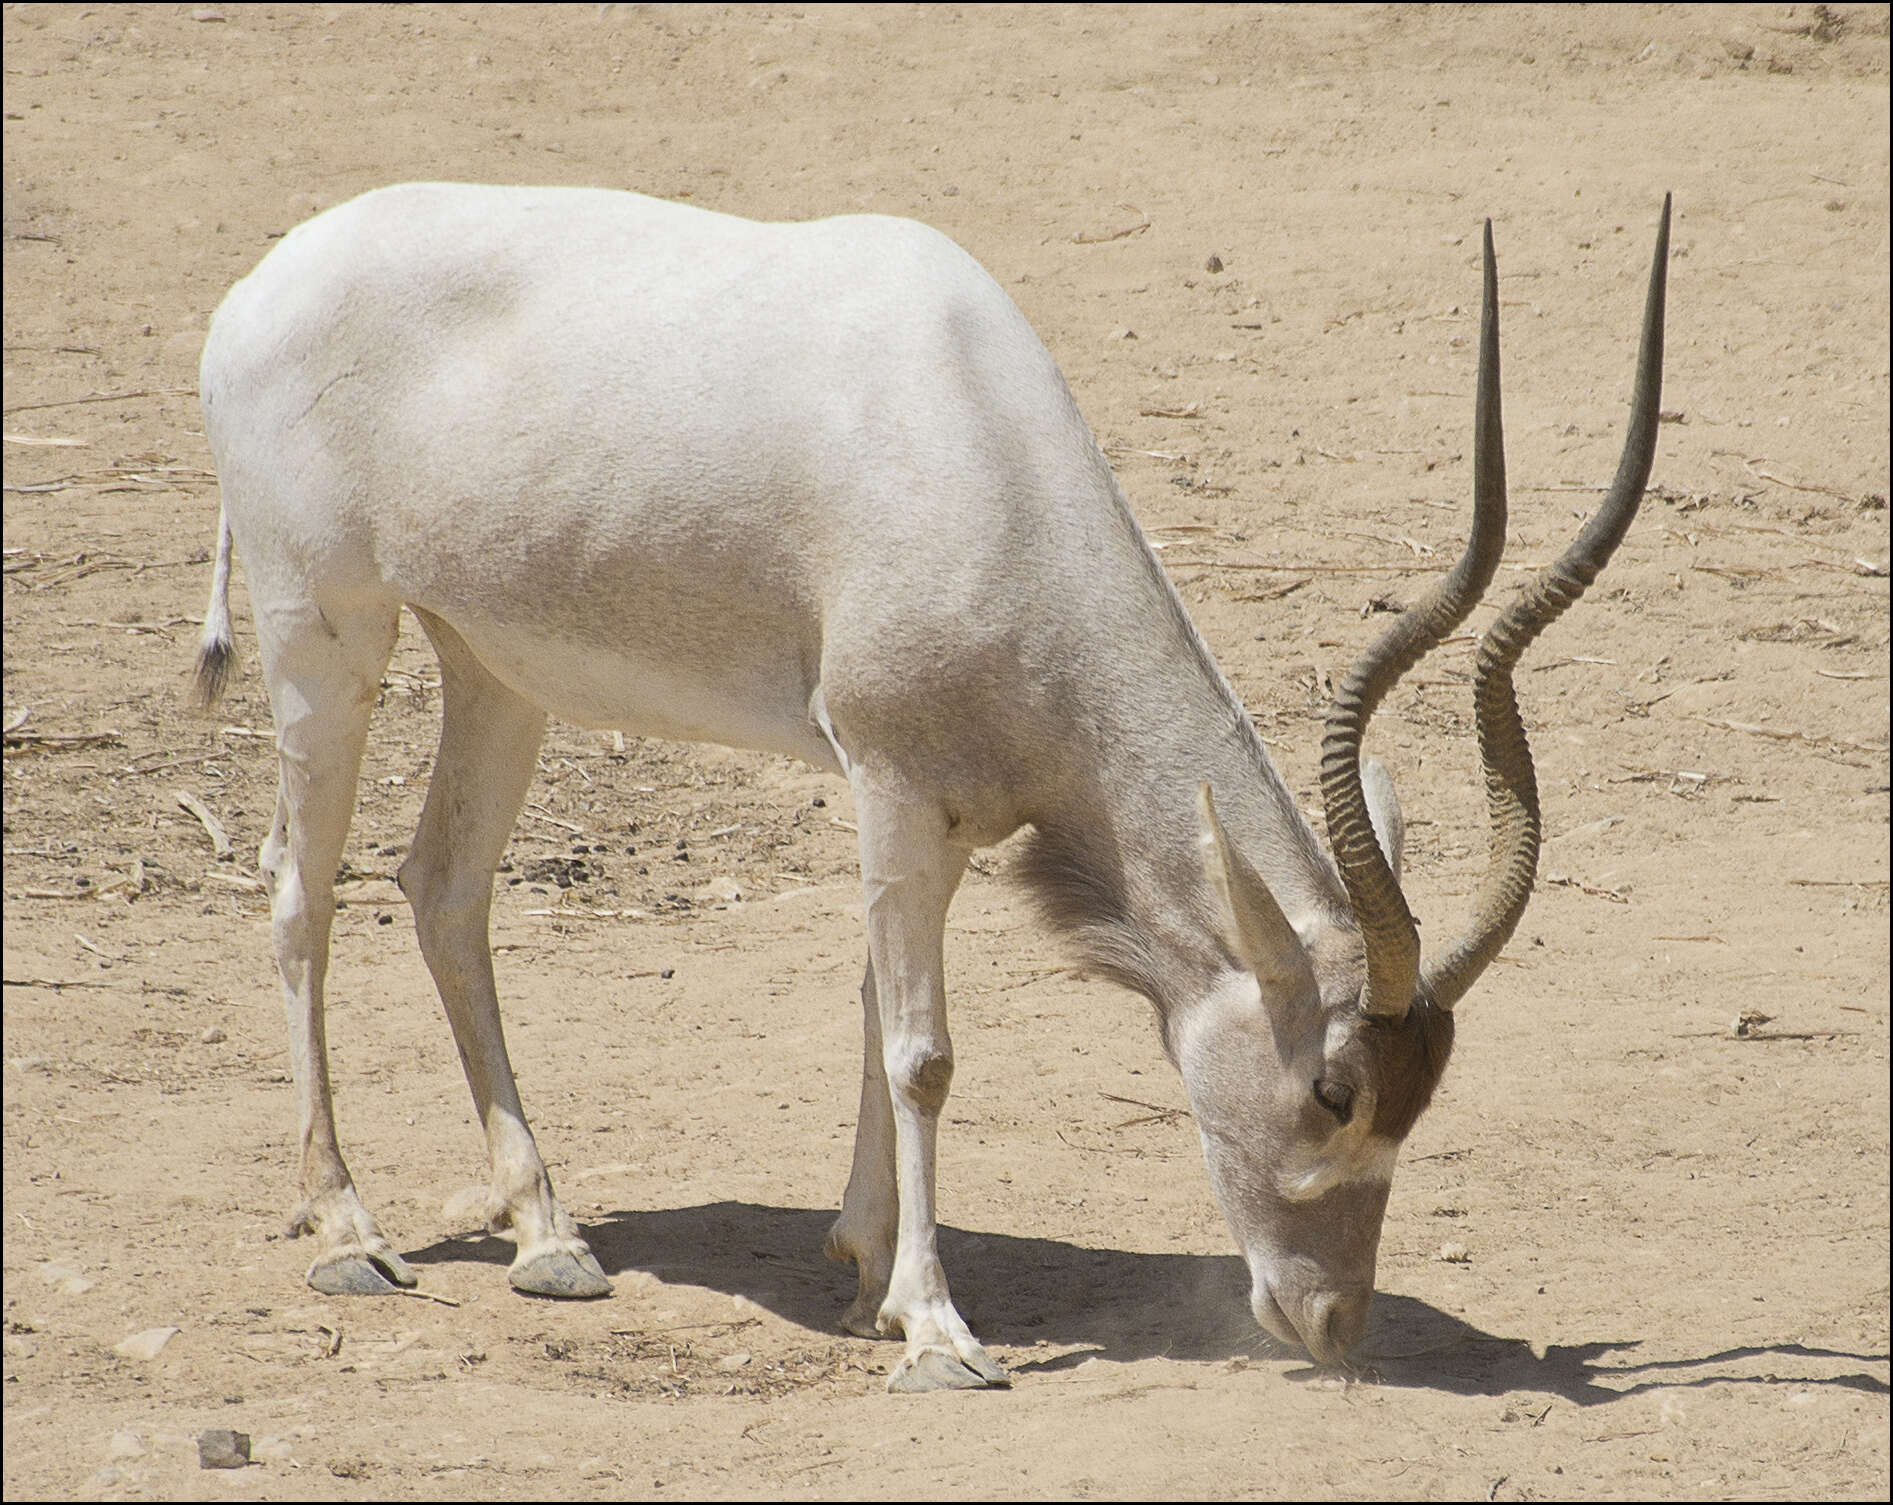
(818, 489)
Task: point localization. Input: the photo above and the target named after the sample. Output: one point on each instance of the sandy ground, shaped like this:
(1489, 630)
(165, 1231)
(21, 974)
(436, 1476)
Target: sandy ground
(1675, 1236)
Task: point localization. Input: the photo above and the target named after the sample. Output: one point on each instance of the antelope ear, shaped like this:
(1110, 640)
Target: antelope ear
(1249, 920)
(1383, 809)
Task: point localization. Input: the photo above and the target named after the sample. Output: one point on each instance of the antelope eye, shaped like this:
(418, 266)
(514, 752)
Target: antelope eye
(1336, 1097)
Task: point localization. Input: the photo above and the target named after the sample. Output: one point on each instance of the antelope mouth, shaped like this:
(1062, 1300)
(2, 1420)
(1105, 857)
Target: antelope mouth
(1274, 1320)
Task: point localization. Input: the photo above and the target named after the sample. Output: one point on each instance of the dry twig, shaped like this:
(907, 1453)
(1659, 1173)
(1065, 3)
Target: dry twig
(61, 741)
(419, 1295)
(1564, 880)
(1085, 239)
(1754, 468)
(1276, 592)
(1813, 739)
(539, 812)
(1158, 1114)
(73, 402)
(219, 838)
(237, 881)
(55, 983)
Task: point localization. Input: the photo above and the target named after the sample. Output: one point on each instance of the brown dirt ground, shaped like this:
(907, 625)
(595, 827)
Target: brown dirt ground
(1677, 1238)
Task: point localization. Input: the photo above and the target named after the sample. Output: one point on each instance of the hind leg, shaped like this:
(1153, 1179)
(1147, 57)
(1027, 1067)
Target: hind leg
(868, 1228)
(324, 671)
(489, 745)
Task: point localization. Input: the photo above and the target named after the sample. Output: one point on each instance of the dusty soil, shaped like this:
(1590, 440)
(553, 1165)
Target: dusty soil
(1675, 1234)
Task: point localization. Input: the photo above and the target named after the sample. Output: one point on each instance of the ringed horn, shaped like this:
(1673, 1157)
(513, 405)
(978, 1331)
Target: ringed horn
(1394, 973)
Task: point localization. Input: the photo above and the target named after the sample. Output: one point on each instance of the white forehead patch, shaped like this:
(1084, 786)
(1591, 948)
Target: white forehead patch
(1367, 1161)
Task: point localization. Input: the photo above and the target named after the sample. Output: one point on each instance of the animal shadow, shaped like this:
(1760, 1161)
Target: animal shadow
(1013, 1291)
(1122, 1305)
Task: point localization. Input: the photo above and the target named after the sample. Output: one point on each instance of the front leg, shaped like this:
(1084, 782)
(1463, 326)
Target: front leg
(909, 872)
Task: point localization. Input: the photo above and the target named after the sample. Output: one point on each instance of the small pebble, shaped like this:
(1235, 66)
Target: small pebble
(65, 1280)
(219, 1447)
(147, 1344)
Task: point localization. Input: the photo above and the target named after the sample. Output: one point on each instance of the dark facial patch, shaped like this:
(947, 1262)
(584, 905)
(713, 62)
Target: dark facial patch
(1410, 1056)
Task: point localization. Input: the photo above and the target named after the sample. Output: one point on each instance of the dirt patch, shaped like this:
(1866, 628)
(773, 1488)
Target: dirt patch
(1250, 239)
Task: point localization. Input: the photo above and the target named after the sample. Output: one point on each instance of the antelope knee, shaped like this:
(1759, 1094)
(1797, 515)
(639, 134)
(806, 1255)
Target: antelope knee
(442, 897)
(921, 1077)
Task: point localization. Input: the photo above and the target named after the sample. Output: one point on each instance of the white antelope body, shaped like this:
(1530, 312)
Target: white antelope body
(818, 489)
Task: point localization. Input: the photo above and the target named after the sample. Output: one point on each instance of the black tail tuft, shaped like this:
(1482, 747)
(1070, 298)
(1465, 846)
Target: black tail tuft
(215, 655)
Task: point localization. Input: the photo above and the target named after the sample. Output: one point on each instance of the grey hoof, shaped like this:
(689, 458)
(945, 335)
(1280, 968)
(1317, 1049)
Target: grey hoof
(936, 1369)
(560, 1273)
(361, 1275)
